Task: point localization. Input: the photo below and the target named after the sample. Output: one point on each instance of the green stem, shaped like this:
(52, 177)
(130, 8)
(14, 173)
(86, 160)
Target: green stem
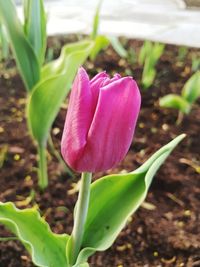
(42, 171)
(59, 158)
(180, 118)
(80, 215)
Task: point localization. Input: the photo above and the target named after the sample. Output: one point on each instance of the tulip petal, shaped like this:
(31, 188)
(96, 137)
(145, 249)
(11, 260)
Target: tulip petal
(112, 127)
(95, 89)
(102, 74)
(78, 119)
(108, 81)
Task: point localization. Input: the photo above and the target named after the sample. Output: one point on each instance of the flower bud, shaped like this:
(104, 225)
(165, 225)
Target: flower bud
(100, 121)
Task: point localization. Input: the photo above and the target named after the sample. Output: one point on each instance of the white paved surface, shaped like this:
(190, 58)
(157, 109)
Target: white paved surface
(158, 20)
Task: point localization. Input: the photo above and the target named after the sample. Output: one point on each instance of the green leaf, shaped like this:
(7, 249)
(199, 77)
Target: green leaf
(46, 248)
(114, 198)
(85, 264)
(149, 56)
(191, 89)
(148, 76)
(176, 102)
(195, 62)
(96, 19)
(24, 55)
(118, 47)
(47, 97)
(4, 43)
(35, 26)
(59, 65)
(100, 43)
(144, 51)
(158, 50)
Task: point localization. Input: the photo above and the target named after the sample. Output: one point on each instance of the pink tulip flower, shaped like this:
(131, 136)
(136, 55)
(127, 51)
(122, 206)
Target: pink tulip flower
(100, 121)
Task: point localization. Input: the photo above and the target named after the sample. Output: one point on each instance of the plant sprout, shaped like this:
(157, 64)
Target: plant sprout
(195, 63)
(148, 57)
(190, 93)
(101, 41)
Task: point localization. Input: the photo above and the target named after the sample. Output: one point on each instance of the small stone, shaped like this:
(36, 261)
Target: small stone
(16, 157)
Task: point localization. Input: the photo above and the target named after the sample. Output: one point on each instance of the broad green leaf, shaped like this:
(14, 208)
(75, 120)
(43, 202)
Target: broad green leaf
(118, 47)
(46, 248)
(24, 55)
(59, 65)
(47, 97)
(35, 26)
(100, 43)
(191, 89)
(114, 198)
(176, 102)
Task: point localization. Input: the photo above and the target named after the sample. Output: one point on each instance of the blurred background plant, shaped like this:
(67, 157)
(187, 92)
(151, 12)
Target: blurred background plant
(183, 103)
(149, 55)
(4, 44)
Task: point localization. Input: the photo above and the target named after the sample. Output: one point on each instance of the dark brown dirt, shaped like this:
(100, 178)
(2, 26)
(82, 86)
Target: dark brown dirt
(165, 231)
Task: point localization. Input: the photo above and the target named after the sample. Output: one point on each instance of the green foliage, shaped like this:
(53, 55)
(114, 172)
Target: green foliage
(195, 63)
(191, 89)
(144, 52)
(24, 54)
(149, 56)
(118, 47)
(189, 94)
(4, 44)
(176, 102)
(100, 42)
(35, 27)
(96, 19)
(46, 248)
(182, 52)
(113, 199)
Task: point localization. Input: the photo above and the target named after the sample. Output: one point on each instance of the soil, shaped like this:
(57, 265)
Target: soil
(165, 231)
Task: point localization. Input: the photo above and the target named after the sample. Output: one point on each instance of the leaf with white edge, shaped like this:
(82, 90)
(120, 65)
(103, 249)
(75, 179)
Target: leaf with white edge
(85, 264)
(24, 54)
(48, 95)
(114, 198)
(60, 65)
(191, 89)
(46, 248)
(175, 101)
